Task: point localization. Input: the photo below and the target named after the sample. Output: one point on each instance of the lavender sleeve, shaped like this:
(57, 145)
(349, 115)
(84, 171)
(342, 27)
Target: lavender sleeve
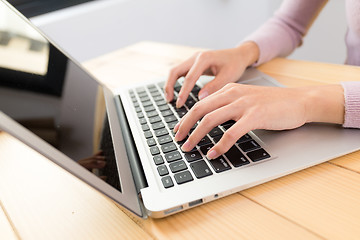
(352, 104)
(282, 33)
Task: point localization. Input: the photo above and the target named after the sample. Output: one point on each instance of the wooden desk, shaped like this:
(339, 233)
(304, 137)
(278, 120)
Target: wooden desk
(39, 200)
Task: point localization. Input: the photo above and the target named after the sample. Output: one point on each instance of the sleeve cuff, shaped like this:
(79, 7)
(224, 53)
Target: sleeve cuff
(352, 104)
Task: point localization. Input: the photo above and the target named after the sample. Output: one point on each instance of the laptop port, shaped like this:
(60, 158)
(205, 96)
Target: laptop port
(172, 210)
(196, 202)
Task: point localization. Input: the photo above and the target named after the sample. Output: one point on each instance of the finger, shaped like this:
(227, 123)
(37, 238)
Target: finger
(175, 73)
(216, 84)
(199, 110)
(92, 163)
(210, 121)
(239, 129)
(202, 62)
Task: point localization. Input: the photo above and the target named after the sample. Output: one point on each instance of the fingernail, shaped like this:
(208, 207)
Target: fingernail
(178, 103)
(166, 97)
(176, 127)
(177, 136)
(211, 154)
(186, 146)
(203, 94)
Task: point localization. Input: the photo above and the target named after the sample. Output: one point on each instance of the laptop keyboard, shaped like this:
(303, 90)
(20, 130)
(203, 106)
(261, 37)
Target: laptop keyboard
(158, 119)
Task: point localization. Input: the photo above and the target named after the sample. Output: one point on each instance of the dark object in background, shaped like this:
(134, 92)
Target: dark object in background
(32, 8)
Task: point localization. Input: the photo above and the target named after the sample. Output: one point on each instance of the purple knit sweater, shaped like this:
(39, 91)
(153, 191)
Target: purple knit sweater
(281, 34)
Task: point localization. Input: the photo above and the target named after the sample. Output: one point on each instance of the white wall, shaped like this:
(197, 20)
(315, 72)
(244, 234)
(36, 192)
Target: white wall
(95, 28)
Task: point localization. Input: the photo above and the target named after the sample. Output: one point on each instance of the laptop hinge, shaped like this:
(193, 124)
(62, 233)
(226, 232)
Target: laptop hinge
(132, 154)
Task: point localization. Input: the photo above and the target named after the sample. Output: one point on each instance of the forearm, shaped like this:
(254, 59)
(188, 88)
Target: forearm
(324, 103)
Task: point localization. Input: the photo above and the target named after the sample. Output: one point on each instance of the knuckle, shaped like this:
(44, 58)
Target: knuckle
(202, 56)
(196, 108)
(207, 120)
(230, 136)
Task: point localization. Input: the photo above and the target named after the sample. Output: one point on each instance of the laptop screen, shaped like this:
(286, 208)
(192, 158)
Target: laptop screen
(51, 96)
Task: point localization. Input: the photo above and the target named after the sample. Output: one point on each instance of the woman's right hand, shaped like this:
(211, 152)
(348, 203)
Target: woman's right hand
(226, 65)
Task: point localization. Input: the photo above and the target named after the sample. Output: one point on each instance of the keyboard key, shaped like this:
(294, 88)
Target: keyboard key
(181, 113)
(249, 146)
(161, 102)
(171, 125)
(190, 103)
(140, 115)
(166, 113)
(147, 104)
(136, 104)
(192, 156)
(148, 134)
(205, 140)
(236, 157)
(140, 90)
(205, 148)
(155, 93)
(169, 147)
(164, 108)
(151, 86)
(177, 88)
(217, 139)
(162, 170)
(219, 164)
(138, 109)
(170, 118)
(143, 94)
(161, 132)
(145, 127)
(183, 177)
(144, 98)
(142, 121)
(152, 114)
(151, 142)
(154, 119)
(244, 138)
(158, 98)
(173, 156)
(158, 159)
(196, 89)
(165, 139)
(167, 182)
(134, 100)
(177, 166)
(216, 132)
(258, 155)
(157, 125)
(200, 169)
(154, 150)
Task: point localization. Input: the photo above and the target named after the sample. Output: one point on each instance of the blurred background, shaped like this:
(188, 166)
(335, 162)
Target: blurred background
(87, 29)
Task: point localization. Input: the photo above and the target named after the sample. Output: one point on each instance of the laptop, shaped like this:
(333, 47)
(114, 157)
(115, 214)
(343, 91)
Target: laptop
(120, 141)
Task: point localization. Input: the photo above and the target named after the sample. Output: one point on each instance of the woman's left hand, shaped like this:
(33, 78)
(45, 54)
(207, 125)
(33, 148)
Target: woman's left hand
(256, 107)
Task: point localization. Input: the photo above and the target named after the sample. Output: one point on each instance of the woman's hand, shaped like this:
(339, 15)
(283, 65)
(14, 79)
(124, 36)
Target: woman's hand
(96, 161)
(255, 107)
(226, 65)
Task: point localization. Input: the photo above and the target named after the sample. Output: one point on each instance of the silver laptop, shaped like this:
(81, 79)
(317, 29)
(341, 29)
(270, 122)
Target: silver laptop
(120, 141)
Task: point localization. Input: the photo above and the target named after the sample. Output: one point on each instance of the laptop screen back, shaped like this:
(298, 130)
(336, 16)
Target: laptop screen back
(50, 95)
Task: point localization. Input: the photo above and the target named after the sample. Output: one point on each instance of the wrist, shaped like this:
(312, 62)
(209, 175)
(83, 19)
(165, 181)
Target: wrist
(249, 52)
(324, 104)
